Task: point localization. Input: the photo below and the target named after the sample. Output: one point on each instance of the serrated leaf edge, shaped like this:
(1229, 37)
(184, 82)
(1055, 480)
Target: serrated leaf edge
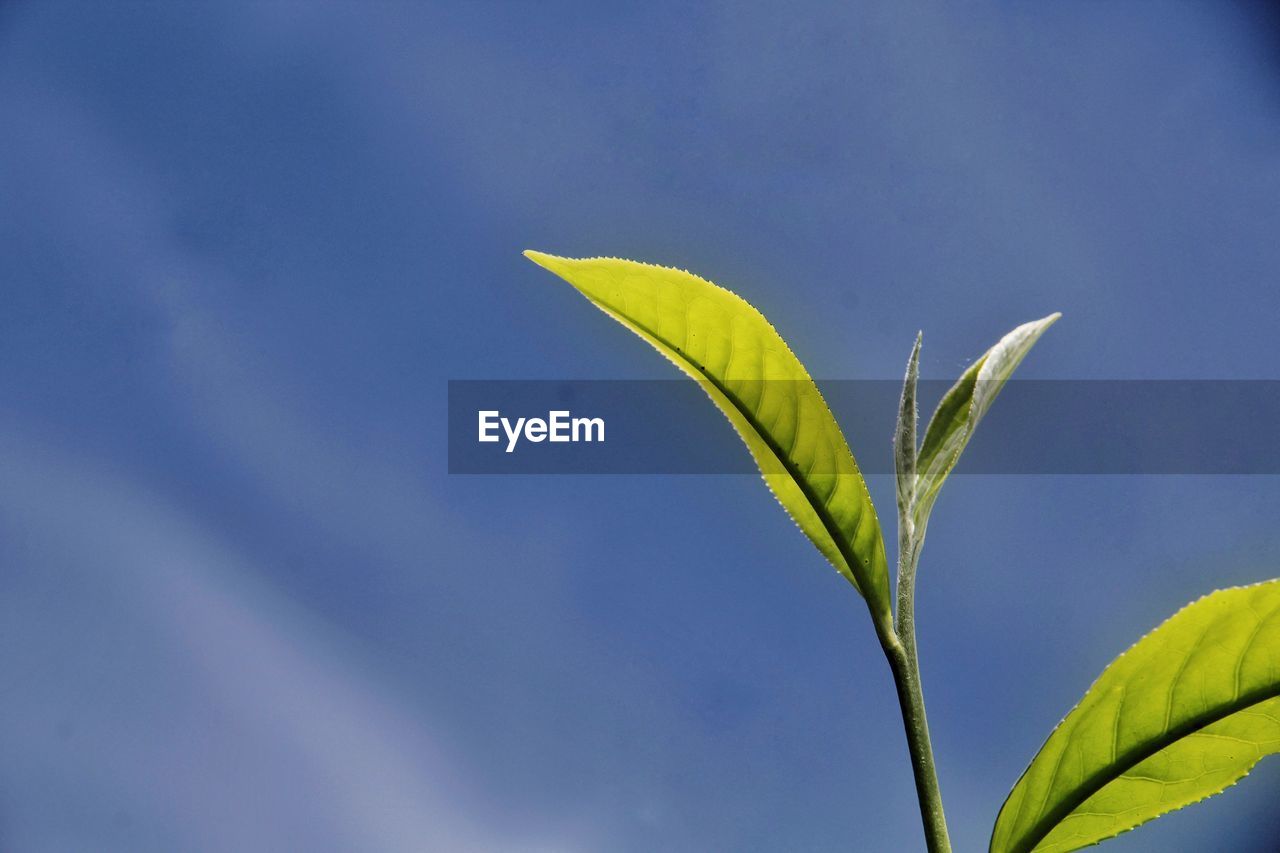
(1094, 684)
(883, 603)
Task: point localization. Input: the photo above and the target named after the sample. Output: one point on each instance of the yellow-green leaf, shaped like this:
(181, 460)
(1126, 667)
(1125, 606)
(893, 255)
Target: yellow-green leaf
(728, 347)
(1181, 716)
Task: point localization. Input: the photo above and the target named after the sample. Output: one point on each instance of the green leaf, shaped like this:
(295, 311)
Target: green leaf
(1181, 716)
(962, 408)
(747, 370)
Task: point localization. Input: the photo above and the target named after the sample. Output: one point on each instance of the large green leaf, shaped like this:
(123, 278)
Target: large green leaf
(748, 371)
(1181, 716)
(957, 416)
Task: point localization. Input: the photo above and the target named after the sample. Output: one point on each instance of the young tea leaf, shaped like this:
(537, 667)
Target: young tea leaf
(1179, 717)
(904, 435)
(744, 366)
(957, 416)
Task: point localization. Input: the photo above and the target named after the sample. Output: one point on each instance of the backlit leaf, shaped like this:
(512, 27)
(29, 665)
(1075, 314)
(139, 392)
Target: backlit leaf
(748, 371)
(962, 408)
(1179, 717)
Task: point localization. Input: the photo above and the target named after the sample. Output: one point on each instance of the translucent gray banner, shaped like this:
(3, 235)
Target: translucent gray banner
(1035, 427)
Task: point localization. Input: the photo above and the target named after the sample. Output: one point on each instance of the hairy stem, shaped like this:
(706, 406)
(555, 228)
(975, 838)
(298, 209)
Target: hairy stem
(899, 639)
(899, 642)
(911, 700)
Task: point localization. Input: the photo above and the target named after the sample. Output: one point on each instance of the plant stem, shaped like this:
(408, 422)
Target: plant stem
(911, 700)
(899, 642)
(899, 638)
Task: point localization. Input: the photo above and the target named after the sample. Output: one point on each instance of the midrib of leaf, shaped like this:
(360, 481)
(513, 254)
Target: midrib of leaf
(1131, 758)
(819, 506)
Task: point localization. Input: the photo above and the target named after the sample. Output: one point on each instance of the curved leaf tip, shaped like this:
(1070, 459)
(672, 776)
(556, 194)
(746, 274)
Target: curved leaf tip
(727, 346)
(962, 408)
(542, 259)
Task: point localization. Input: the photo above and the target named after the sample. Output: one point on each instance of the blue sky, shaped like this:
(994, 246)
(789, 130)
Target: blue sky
(244, 246)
